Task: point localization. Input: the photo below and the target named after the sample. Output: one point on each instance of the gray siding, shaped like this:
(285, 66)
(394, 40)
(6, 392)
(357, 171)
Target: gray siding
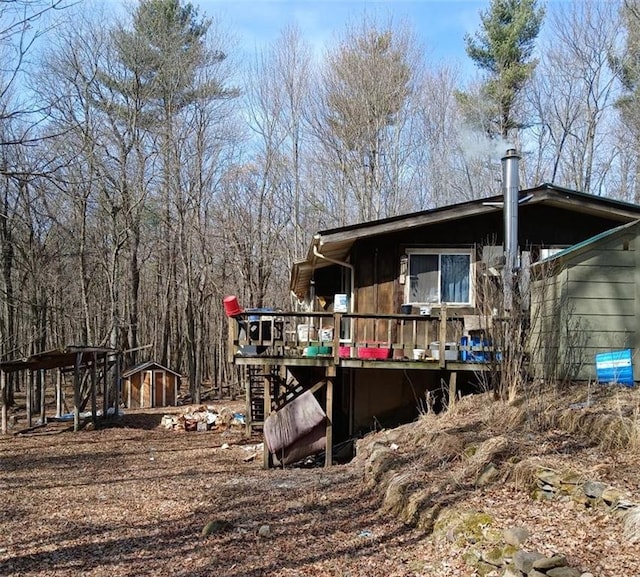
(587, 305)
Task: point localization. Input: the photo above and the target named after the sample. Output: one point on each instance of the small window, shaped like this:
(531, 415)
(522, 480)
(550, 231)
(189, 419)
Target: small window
(439, 277)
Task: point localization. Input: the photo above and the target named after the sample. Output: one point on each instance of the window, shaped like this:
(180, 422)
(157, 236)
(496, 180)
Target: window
(439, 277)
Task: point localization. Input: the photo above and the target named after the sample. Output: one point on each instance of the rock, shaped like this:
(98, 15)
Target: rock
(587, 575)
(523, 560)
(536, 573)
(564, 572)
(549, 477)
(582, 499)
(494, 557)
(264, 531)
(485, 570)
(472, 557)
(515, 536)
(572, 479)
(511, 572)
(611, 495)
(550, 562)
(631, 521)
(594, 489)
(488, 475)
(623, 505)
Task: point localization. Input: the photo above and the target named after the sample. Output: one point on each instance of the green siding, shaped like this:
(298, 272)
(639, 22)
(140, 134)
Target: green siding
(587, 306)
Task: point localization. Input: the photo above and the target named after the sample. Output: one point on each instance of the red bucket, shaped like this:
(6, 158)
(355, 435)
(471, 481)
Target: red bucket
(232, 307)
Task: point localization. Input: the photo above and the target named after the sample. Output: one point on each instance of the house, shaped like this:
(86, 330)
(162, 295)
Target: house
(149, 384)
(585, 302)
(415, 288)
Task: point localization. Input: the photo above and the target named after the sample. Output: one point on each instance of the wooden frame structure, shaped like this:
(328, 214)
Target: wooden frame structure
(88, 365)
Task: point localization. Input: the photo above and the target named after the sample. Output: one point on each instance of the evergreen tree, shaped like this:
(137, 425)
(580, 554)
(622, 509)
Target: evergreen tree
(503, 48)
(627, 68)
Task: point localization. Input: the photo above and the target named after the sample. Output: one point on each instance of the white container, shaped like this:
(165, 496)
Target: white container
(326, 334)
(418, 354)
(307, 332)
(340, 303)
(425, 311)
(450, 351)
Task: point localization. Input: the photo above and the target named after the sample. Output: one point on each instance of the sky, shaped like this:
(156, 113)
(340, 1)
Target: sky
(440, 25)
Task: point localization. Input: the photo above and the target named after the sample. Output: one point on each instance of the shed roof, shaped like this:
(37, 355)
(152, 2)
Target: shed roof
(58, 358)
(147, 366)
(335, 244)
(588, 244)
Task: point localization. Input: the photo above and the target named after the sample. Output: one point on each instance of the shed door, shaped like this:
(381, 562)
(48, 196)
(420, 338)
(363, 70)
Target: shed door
(160, 399)
(170, 389)
(145, 390)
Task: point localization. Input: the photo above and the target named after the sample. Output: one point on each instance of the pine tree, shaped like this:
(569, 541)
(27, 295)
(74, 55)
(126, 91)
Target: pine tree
(503, 48)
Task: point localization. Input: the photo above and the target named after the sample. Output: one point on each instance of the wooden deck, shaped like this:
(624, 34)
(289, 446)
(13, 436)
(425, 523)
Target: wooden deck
(288, 353)
(361, 341)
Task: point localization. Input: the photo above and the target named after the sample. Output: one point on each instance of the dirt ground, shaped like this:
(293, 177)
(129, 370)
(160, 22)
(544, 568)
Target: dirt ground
(134, 498)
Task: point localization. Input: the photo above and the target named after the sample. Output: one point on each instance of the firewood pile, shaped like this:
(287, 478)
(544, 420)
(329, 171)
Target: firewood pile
(204, 418)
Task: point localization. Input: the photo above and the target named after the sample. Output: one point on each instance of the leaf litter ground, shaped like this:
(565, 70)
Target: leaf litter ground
(133, 499)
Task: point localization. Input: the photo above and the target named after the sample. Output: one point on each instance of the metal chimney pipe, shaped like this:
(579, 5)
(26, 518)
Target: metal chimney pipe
(511, 186)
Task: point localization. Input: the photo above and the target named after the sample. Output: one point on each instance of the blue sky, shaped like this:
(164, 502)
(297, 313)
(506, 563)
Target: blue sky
(440, 25)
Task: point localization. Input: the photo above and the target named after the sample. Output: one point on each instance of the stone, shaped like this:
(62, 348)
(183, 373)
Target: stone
(264, 531)
(523, 560)
(511, 572)
(549, 477)
(573, 479)
(587, 575)
(594, 489)
(581, 499)
(550, 562)
(495, 557)
(536, 573)
(564, 572)
(515, 536)
(472, 557)
(485, 569)
(488, 475)
(611, 495)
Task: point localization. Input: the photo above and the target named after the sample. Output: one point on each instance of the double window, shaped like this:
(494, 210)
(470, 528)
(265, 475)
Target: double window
(439, 276)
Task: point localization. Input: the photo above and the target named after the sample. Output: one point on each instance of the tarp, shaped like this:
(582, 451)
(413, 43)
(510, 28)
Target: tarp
(293, 422)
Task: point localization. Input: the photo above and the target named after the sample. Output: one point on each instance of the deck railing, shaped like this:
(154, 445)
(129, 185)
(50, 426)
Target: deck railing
(352, 336)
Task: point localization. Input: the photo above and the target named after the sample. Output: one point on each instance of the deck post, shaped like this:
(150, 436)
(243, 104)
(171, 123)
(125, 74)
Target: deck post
(59, 393)
(29, 398)
(328, 460)
(76, 392)
(442, 336)
(3, 400)
(266, 455)
(43, 396)
(453, 378)
(247, 398)
(94, 384)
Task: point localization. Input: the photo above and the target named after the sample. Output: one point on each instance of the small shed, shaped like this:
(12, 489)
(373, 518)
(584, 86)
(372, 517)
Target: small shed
(585, 301)
(149, 384)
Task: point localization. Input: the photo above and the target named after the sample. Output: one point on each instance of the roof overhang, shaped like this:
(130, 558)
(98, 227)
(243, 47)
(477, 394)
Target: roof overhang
(336, 244)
